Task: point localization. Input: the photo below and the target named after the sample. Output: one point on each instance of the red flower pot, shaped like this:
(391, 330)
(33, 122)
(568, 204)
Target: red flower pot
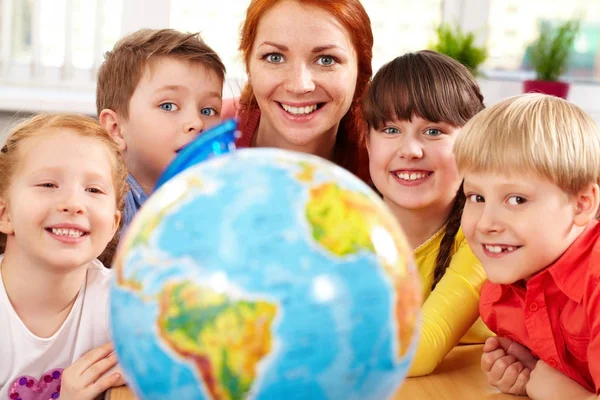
(554, 88)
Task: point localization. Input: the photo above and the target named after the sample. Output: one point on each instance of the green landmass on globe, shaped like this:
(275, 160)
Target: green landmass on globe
(342, 222)
(337, 220)
(225, 339)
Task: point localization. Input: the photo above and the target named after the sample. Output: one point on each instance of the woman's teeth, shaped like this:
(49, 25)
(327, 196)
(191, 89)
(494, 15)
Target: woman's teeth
(299, 110)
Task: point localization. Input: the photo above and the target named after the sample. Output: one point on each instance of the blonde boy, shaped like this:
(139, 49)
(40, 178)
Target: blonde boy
(531, 168)
(157, 90)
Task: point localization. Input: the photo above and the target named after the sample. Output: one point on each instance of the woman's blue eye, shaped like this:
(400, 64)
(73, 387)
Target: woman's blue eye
(391, 131)
(274, 58)
(326, 61)
(168, 106)
(208, 112)
(433, 132)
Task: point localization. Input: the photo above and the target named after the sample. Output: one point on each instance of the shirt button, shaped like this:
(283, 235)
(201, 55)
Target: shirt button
(552, 363)
(533, 307)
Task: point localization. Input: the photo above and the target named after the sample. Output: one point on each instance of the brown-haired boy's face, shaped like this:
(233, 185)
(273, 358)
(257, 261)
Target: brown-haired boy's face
(174, 101)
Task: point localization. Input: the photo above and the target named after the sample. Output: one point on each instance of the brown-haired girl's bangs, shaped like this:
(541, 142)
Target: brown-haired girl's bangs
(424, 84)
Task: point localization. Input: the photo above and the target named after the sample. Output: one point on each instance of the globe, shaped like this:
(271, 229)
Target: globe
(264, 274)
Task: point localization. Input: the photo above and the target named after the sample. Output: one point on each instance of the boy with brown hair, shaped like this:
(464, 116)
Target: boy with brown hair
(156, 91)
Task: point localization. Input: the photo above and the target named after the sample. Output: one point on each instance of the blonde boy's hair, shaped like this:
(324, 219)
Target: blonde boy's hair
(123, 67)
(533, 133)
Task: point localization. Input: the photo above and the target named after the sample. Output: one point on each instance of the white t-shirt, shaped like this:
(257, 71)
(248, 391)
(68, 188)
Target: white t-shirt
(32, 366)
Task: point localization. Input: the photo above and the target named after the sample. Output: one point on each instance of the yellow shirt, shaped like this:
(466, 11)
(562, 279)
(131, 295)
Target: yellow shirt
(452, 308)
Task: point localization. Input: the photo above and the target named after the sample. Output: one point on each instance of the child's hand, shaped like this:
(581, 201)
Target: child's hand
(86, 378)
(548, 383)
(541, 380)
(510, 347)
(507, 365)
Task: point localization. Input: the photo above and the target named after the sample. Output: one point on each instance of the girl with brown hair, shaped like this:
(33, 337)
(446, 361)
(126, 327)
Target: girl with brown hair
(414, 110)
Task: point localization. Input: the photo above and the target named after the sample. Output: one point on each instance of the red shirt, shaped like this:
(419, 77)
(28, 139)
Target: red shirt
(557, 314)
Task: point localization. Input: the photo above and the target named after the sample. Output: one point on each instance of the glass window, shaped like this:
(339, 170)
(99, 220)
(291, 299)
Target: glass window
(21, 30)
(89, 20)
(219, 23)
(398, 26)
(515, 24)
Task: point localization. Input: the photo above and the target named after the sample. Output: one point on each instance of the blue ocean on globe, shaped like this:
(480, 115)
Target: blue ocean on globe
(264, 274)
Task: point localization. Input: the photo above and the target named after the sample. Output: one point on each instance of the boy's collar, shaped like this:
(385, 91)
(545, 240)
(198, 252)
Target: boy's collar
(570, 270)
(136, 190)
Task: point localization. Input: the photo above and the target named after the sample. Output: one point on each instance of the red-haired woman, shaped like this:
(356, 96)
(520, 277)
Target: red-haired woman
(308, 64)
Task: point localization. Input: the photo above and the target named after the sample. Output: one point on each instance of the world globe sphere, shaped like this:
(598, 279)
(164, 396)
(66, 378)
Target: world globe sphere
(264, 274)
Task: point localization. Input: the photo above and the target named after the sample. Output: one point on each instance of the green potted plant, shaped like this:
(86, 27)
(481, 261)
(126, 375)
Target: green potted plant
(452, 41)
(549, 57)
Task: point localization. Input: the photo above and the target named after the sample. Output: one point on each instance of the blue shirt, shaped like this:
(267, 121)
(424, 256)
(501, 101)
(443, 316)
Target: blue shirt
(134, 199)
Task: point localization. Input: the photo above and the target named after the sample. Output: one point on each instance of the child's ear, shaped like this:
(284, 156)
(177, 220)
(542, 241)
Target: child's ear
(5, 222)
(111, 122)
(117, 221)
(587, 201)
(367, 144)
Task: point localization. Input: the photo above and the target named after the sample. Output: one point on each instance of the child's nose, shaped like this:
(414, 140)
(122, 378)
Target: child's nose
(194, 126)
(410, 148)
(489, 222)
(70, 205)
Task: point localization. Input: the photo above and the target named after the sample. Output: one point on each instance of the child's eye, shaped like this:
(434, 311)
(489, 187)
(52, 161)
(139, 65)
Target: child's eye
(433, 132)
(208, 112)
(94, 190)
(47, 185)
(476, 198)
(326, 61)
(391, 130)
(516, 200)
(274, 58)
(169, 107)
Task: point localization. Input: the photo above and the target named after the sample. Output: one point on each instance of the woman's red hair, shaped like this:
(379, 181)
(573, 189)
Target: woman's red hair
(350, 149)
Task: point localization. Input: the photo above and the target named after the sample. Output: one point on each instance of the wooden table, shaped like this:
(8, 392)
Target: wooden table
(457, 378)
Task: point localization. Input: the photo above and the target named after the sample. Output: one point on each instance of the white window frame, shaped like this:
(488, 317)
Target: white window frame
(471, 15)
(33, 98)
